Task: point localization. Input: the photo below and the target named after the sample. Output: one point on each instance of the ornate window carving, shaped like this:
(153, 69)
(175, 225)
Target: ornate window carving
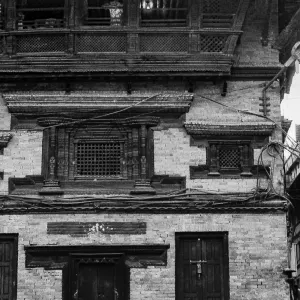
(230, 157)
(40, 14)
(166, 13)
(99, 159)
(106, 150)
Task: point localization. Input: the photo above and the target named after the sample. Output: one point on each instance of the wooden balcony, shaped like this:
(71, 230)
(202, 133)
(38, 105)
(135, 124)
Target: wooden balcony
(110, 49)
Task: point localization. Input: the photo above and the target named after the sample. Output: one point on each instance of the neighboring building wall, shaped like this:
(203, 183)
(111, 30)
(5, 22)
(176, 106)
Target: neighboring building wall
(22, 156)
(257, 251)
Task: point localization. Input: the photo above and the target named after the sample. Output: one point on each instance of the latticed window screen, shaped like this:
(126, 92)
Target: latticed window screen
(41, 43)
(101, 159)
(212, 43)
(39, 14)
(101, 12)
(229, 158)
(164, 12)
(163, 42)
(101, 43)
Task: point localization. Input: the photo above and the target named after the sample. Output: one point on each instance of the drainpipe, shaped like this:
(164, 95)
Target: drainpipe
(295, 58)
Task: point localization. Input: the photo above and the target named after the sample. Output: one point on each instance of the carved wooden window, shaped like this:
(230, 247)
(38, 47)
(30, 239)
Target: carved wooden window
(230, 158)
(40, 14)
(99, 159)
(101, 13)
(8, 266)
(167, 13)
(218, 13)
(100, 151)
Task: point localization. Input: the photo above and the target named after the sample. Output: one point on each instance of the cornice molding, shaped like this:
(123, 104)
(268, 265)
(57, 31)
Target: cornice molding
(36, 103)
(58, 257)
(211, 204)
(202, 129)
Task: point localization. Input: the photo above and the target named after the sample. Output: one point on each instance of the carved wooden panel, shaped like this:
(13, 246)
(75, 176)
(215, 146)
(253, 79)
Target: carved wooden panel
(81, 228)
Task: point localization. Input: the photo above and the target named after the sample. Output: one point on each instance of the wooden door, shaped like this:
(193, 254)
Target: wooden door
(202, 266)
(8, 266)
(98, 278)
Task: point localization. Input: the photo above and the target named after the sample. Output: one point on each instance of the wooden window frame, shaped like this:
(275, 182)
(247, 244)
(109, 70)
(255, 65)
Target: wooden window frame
(246, 158)
(101, 141)
(161, 24)
(43, 24)
(114, 25)
(12, 237)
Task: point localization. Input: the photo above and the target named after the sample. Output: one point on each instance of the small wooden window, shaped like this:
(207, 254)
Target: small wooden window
(98, 159)
(229, 157)
(8, 266)
(166, 13)
(101, 13)
(40, 14)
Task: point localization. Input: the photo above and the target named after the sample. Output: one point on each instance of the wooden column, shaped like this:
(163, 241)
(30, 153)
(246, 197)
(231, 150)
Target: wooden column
(245, 160)
(143, 151)
(51, 184)
(140, 126)
(214, 160)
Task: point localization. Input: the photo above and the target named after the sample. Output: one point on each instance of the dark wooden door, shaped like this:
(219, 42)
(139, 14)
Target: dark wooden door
(98, 278)
(8, 265)
(202, 266)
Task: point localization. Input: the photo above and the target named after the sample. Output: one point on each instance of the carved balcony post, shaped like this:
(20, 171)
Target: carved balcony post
(214, 159)
(141, 125)
(51, 184)
(143, 151)
(245, 161)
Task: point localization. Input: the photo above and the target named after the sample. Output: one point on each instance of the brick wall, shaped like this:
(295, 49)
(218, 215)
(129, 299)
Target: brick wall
(22, 156)
(257, 252)
(174, 153)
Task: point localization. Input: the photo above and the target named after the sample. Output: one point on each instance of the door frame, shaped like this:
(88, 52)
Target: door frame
(122, 279)
(203, 234)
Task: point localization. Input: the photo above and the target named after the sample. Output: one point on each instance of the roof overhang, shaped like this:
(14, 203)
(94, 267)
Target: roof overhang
(35, 104)
(203, 129)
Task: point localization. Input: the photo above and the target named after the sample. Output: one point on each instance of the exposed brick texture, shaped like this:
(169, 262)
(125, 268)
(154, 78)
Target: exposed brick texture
(22, 156)
(257, 252)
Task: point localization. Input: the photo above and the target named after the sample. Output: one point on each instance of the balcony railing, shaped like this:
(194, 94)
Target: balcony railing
(110, 41)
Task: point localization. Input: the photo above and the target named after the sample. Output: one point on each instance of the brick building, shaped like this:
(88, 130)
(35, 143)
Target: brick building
(139, 154)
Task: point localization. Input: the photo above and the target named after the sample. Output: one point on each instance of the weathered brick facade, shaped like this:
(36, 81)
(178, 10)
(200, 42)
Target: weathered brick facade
(114, 159)
(255, 262)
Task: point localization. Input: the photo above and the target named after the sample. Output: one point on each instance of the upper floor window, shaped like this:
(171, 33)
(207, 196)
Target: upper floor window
(99, 159)
(40, 14)
(101, 13)
(168, 13)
